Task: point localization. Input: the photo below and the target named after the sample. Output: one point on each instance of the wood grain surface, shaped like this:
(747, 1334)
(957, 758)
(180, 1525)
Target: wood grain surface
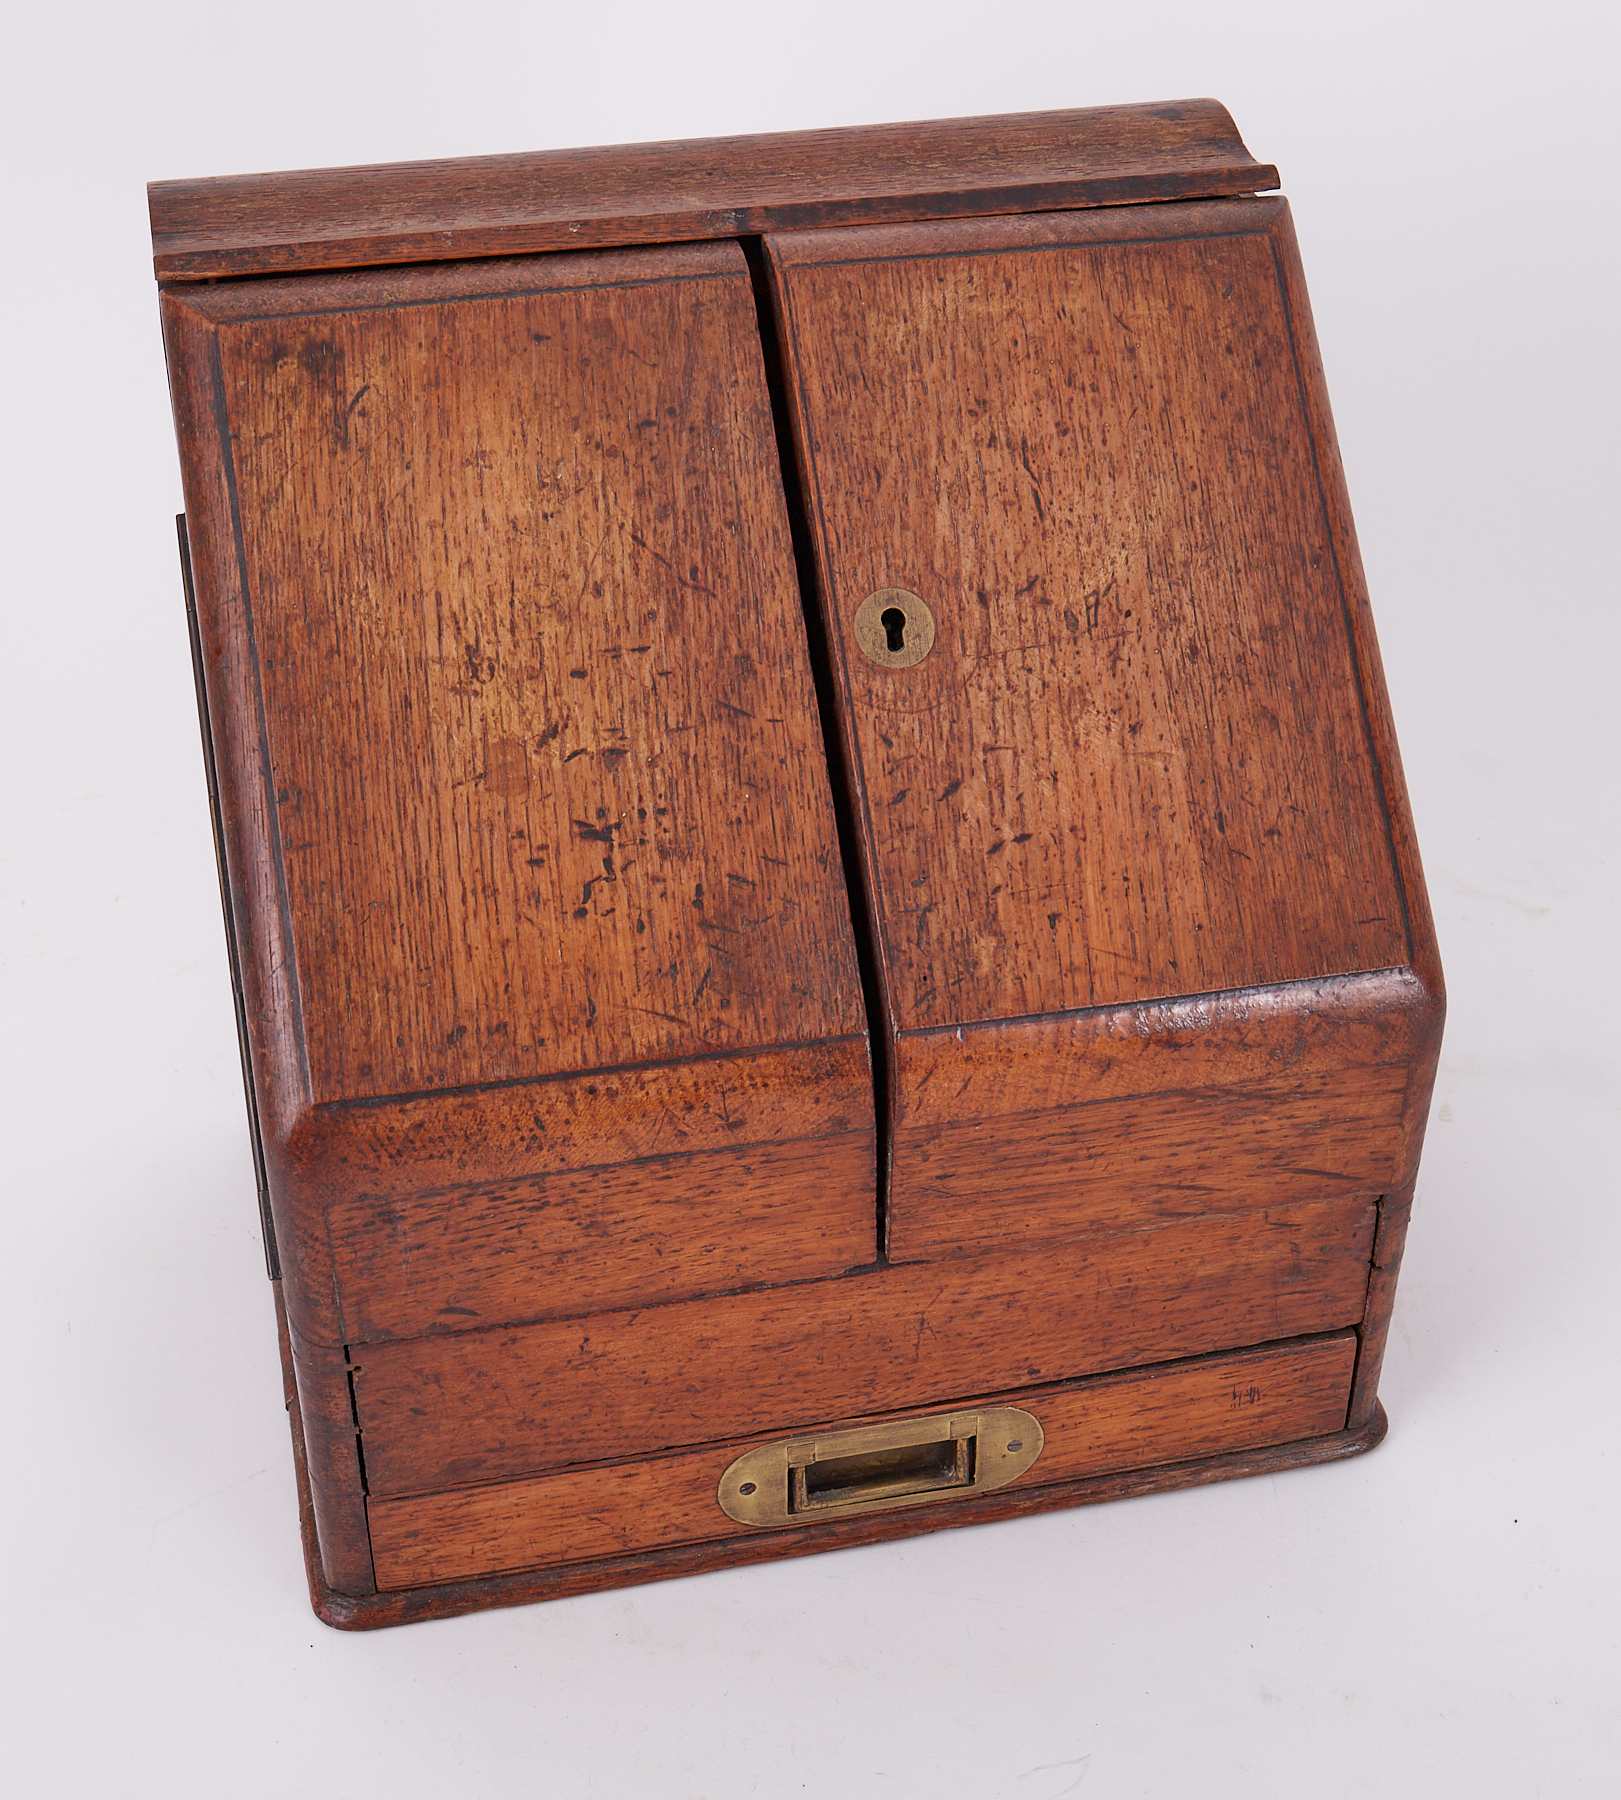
(476, 1406)
(1178, 1106)
(332, 1447)
(599, 1239)
(1425, 957)
(247, 822)
(1116, 1164)
(547, 758)
(1216, 1404)
(1389, 1242)
(373, 1611)
(1247, 1037)
(503, 1132)
(1136, 762)
(704, 188)
(332, 1494)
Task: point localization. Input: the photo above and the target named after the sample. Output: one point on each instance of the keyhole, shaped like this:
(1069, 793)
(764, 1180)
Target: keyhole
(894, 627)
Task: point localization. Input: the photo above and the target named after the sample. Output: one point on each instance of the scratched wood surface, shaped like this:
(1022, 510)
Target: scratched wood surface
(1135, 763)
(1224, 1403)
(535, 680)
(1116, 1164)
(591, 1240)
(482, 1405)
(706, 188)
(1246, 1037)
(421, 1142)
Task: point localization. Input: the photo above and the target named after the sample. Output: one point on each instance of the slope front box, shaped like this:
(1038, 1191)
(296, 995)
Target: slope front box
(680, 1021)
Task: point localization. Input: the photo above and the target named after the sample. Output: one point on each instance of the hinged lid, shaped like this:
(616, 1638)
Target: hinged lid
(706, 188)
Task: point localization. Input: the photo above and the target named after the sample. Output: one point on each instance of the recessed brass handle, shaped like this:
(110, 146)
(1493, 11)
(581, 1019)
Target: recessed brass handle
(908, 1463)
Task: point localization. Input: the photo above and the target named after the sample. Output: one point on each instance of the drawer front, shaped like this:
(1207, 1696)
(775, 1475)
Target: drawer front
(1245, 1401)
(487, 1405)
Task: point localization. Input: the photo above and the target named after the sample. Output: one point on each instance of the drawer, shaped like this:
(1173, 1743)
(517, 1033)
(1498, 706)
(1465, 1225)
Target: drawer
(1272, 1395)
(442, 1411)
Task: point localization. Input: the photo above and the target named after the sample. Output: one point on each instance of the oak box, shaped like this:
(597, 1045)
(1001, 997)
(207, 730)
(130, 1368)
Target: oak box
(824, 915)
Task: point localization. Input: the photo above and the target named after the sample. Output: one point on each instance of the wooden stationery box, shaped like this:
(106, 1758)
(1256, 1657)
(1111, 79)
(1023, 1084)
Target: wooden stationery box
(825, 921)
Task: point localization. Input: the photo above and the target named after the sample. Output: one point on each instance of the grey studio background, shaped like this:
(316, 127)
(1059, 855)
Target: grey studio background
(1437, 1618)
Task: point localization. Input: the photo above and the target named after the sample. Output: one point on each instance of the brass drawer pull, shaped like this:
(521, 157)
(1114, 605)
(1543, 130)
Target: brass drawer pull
(876, 1467)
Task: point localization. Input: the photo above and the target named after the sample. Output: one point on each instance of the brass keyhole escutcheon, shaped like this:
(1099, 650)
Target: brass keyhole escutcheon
(894, 628)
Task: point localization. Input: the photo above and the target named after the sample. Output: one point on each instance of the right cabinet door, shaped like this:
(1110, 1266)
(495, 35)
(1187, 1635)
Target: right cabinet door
(1140, 927)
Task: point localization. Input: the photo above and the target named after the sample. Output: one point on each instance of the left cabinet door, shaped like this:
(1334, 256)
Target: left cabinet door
(552, 994)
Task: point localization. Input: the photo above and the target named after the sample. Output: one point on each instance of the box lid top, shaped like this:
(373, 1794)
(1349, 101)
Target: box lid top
(702, 188)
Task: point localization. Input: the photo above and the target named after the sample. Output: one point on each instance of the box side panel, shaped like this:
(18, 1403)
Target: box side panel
(1426, 955)
(229, 683)
(333, 1465)
(1390, 1240)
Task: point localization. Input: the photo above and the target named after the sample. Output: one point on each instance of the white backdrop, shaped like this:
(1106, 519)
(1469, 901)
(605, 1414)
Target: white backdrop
(1438, 1618)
